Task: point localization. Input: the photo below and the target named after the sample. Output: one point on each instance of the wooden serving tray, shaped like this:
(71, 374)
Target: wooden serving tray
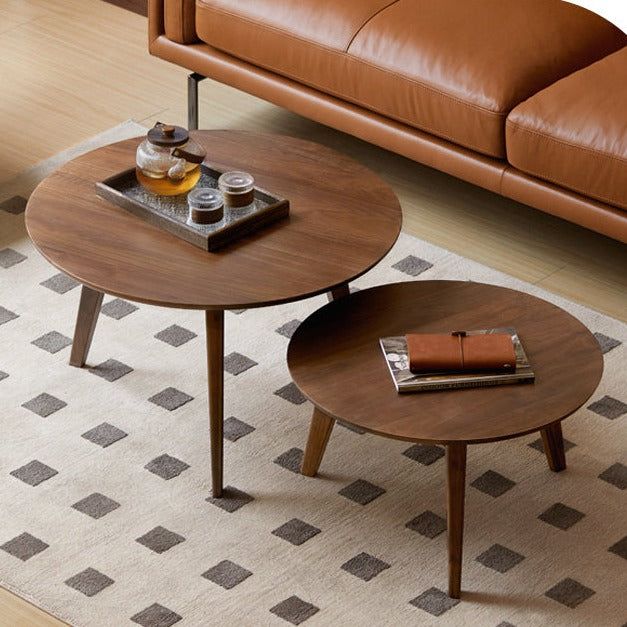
(171, 212)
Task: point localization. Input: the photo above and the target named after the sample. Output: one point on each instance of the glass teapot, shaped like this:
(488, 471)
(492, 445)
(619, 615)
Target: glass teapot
(167, 161)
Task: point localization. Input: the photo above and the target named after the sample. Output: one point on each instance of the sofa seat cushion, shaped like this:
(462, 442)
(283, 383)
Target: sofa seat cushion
(574, 133)
(454, 69)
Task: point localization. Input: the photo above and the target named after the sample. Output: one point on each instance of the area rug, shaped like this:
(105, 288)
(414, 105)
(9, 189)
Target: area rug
(105, 515)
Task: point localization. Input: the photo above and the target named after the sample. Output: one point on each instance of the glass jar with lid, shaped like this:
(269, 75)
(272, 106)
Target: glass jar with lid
(237, 188)
(206, 206)
(168, 161)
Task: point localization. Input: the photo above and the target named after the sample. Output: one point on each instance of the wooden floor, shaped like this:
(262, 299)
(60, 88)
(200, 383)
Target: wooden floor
(73, 68)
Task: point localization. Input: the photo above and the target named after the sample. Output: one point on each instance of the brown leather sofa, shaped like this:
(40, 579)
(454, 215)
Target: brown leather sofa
(526, 98)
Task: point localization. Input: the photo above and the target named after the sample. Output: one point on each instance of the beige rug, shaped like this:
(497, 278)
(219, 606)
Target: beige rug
(104, 475)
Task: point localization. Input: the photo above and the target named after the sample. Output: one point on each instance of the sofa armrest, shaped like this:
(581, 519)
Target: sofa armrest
(174, 18)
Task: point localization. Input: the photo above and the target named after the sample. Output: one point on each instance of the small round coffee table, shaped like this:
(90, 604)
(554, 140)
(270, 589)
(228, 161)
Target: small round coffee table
(335, 359)
(343, 220)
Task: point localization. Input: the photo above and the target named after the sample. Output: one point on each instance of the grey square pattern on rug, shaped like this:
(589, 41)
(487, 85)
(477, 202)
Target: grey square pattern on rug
(236, 363)
(118, 309)
(111, 370)
(60, 283)
(291, 460)
(96, 505)
(427, 524)
(291, 394)
(89, 582)
(156, 615)
(170, 398)
(362, 492)
(561, 516)
(44, 404)
(434, 602)
(166, 466)
(609, 407)
(52, 342)
(615, 475)
(296, 531)
(234, 429)
(412, 265)
(607, 343)
(175, 335)
(569, 592)
(500, 558)
(294, 610)
(620, 548)
(227, 574)
(10, 258)
(424, 453)
(365, 566)
(289, 328)
(24, 546)
(231, 500)
(34, 473)
(493, 483)
(6, 315)
(14, 205)
(160, 539)
(104, 435)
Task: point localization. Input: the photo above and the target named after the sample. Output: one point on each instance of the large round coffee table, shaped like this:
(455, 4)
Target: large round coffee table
(343, 220)
(335, 359)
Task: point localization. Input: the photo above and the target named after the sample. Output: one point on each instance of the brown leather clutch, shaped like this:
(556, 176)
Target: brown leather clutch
(458, 352)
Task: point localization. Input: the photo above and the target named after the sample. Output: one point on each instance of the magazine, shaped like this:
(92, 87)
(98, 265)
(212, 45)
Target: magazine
(397, 359)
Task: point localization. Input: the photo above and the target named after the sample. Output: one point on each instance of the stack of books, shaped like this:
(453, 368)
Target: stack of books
(397, 359)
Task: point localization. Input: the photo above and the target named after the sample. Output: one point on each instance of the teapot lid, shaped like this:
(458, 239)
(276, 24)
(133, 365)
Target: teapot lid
(167, 135)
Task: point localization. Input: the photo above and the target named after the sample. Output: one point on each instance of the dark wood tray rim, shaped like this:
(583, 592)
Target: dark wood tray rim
(277, 208)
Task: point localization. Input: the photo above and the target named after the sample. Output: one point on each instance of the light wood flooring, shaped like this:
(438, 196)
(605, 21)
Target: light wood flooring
(73, 68)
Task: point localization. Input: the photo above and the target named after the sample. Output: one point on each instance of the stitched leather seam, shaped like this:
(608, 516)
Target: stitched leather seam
(333, 51)
(564, 142)
(368, 20)
(567, 186)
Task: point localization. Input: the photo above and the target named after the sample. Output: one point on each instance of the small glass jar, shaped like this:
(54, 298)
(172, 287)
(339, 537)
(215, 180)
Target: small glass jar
(168, 161)
(206, 206)
(237, 189)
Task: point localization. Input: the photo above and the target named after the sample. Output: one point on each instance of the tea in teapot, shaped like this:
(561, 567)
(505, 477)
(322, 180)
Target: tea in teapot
(167, 161)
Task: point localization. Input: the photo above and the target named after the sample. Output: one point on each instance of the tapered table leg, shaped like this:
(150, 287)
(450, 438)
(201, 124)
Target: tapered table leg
(553, 443)
(88, 311)
(214, 323)
(456, 487)
(319, 432)
(339, 292)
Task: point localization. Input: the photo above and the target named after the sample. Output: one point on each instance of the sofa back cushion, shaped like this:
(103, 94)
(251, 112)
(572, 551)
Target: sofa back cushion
(454, 69)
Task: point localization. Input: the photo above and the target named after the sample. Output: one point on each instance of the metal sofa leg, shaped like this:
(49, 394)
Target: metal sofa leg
(192, 100)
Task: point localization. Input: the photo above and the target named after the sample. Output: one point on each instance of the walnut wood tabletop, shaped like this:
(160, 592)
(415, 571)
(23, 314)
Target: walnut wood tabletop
(336, 361)
(343, 220)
